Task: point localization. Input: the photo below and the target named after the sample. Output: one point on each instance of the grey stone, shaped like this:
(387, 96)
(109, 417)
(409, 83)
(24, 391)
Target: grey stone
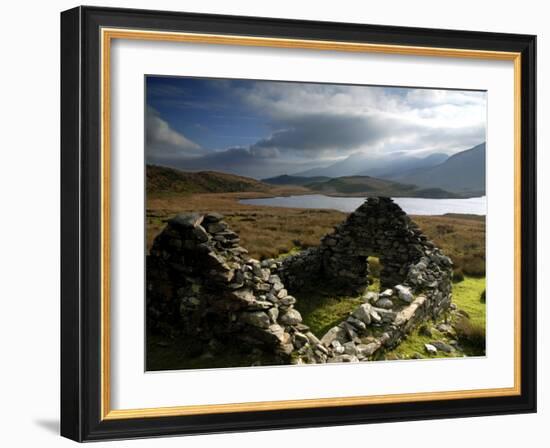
(335, 333)
(363, 313)
(261, 305)
(386, 294)
(314, 340)
(430, 349)
(301, 339)
(367, 350)
(386, 316)
(186, 220)
(290, 317)
(322, 349)
(282, 294)
(375, 316)
(278, 332)
(200, 234)
(384, 303)
(244, 295)
(212, 217)
(349, 348)
(445, 329)
(257, 319)
(440, 345)
(216, 227)
(404, 293)
(287, 300)
(370, 297)
(274, 279)
(273, 314)
(357, 323)
(337, 347)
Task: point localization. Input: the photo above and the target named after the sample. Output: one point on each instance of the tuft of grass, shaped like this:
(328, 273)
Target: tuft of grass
(471, 335)
(458, 276)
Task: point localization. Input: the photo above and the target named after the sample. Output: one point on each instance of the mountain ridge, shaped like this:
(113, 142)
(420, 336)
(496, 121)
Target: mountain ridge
(463, 172)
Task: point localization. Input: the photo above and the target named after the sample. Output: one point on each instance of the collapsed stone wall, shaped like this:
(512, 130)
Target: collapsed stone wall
(202, 284)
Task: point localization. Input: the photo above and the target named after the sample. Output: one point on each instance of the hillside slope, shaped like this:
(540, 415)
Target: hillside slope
(285, 179)
(371, 186)
(169, 180)
(360, 164)
(462, 173)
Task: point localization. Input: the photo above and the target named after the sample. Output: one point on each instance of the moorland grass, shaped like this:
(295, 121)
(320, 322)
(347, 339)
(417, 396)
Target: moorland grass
(268, 232)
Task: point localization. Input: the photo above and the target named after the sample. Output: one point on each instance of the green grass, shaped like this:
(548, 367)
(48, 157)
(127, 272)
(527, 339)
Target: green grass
(322, 309)
(466, 295)
(415, 344)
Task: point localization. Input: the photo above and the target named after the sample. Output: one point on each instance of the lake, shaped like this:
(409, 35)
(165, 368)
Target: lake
(413, 206)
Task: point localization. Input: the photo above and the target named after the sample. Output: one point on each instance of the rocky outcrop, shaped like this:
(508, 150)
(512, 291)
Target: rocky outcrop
(202, 284)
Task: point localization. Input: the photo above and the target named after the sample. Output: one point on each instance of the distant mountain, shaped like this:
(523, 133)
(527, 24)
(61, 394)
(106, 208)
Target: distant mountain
(371, 186)
(285, 179)
(361, 164)
(462, 173)
(169, 180)
(397, 163)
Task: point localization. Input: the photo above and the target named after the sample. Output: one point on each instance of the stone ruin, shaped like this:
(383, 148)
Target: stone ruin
(202, 284)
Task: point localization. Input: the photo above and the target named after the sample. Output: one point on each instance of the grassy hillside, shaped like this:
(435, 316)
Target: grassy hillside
(285, 179)
(367, 185)
(169, 180)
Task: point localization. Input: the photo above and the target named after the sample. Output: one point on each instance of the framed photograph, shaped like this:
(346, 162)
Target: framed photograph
(277, 224)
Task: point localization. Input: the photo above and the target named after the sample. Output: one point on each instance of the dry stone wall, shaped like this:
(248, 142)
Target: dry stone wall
(415, 278)
(202, 284)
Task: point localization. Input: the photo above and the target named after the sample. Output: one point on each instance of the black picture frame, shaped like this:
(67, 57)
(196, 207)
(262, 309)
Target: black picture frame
(81, 224)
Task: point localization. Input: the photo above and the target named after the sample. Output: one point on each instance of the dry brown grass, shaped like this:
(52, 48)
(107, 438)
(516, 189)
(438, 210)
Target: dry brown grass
(461, 238)
(265, 231)
(271, 231)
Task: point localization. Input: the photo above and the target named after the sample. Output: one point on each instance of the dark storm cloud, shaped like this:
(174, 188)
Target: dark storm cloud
(252, 162)
(318, 132)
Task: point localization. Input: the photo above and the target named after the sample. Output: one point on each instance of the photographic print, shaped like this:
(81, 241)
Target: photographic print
(306, 223)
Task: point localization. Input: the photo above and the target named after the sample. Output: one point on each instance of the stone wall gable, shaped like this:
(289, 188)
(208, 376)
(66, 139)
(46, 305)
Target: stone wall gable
(379, 228)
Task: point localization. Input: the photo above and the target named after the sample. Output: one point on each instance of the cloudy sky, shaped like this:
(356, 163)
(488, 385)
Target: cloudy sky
(267, 128)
